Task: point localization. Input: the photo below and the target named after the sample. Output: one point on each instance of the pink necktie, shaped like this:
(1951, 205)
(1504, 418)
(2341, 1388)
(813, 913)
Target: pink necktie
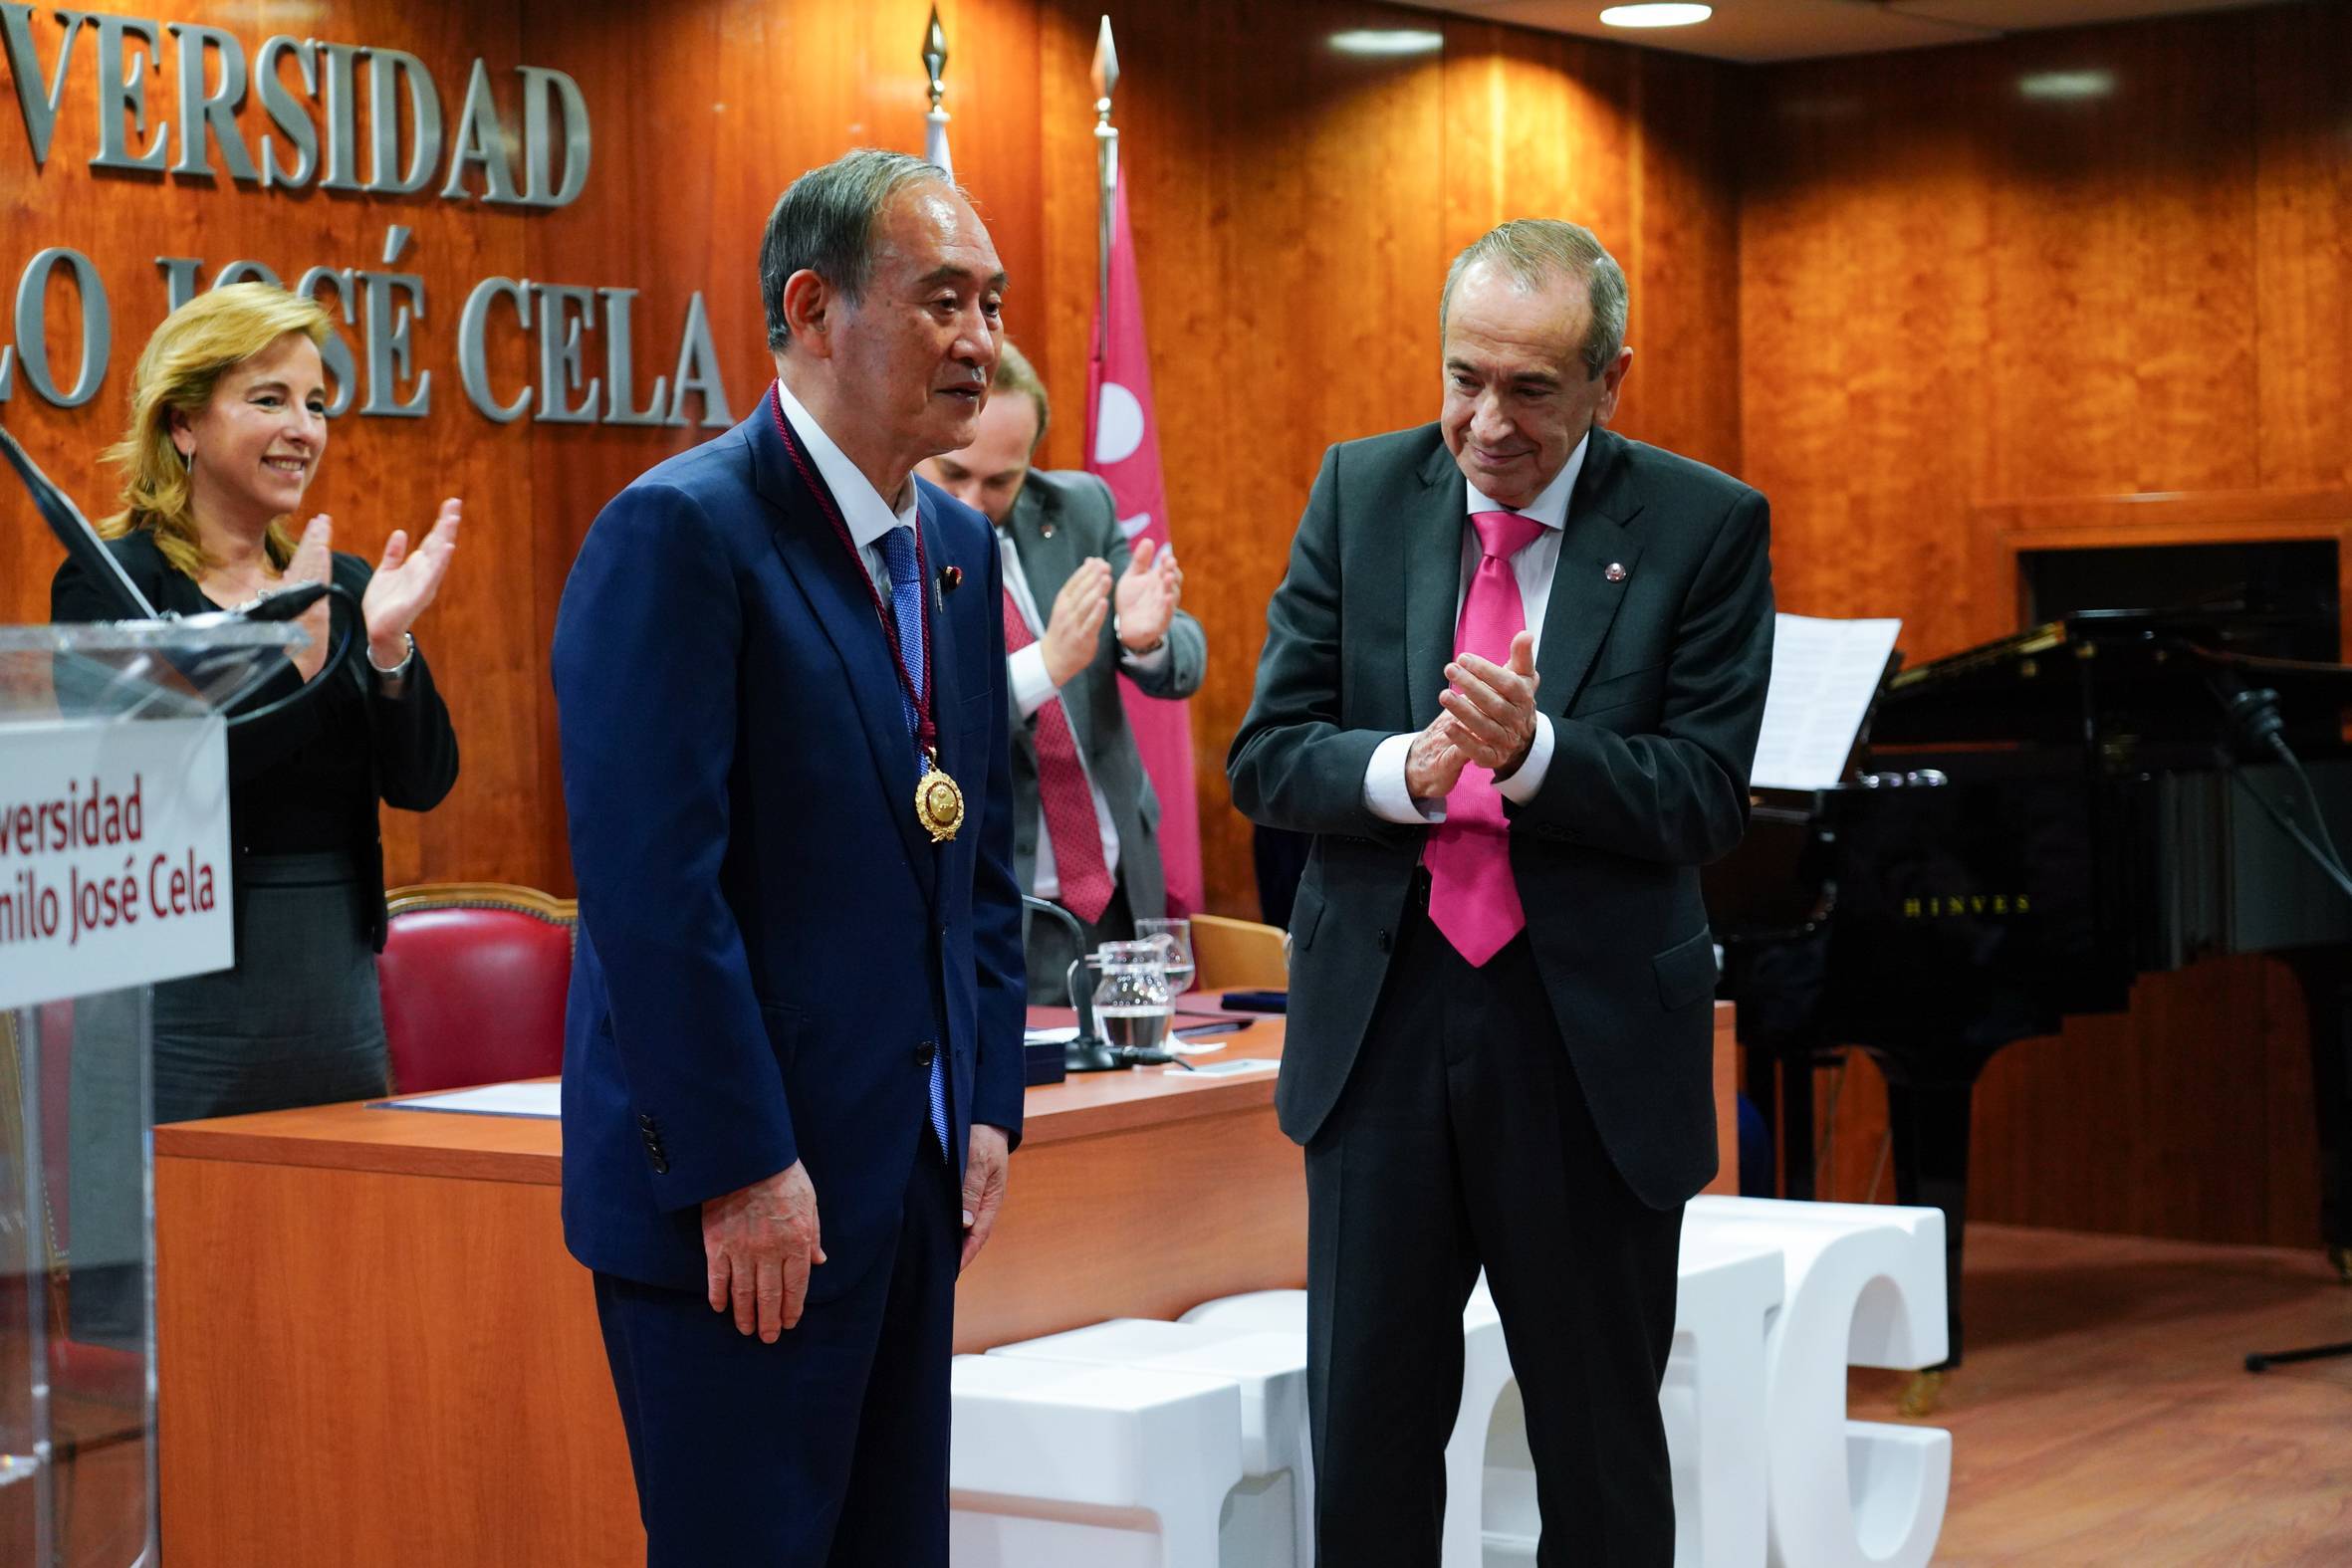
(1064, 792)
(1473, 898)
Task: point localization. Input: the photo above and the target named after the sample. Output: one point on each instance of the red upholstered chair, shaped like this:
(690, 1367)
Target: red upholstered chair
(473, 976)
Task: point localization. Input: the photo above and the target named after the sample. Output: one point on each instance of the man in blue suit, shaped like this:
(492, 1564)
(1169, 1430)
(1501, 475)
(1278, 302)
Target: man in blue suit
(791, 1066)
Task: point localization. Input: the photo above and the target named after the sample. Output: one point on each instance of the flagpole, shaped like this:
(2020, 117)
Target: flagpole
(935, 67)
(1106, 155)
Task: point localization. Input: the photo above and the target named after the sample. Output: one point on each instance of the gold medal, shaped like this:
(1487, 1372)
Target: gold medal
(939, 802)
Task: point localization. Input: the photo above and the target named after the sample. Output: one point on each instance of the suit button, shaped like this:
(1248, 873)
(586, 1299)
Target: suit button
(924, 1052)
(1383, 940)
(661, 1164)
(645, 1122)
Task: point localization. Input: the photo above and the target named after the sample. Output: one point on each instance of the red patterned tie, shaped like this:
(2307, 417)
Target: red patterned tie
(1473, 897)
(1061, 789)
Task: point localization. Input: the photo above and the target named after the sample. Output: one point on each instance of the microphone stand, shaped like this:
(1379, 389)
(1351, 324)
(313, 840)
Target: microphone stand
(1091, 1052)
(2253, 729)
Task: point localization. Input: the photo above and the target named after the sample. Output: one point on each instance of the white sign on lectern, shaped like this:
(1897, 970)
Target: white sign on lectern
(114, 856)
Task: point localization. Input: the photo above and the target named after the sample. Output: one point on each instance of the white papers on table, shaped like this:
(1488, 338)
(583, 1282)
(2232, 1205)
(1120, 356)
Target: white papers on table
(1824, 673)
(492, 1099)
(1057, 1035)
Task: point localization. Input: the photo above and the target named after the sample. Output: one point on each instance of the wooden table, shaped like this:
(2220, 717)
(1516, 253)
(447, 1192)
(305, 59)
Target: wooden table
(374, 1348)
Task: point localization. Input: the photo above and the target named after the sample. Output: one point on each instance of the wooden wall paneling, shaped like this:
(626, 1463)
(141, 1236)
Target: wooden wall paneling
(1537, 125)
(2302, 283)
(2123, 317)
(1864, 236)
(1052, 315)
(1683, 261)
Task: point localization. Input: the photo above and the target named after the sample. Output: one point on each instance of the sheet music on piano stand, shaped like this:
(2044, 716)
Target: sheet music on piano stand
(1825, 675)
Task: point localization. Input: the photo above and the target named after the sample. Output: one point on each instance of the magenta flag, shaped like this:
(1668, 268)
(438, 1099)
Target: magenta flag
(1123, 447)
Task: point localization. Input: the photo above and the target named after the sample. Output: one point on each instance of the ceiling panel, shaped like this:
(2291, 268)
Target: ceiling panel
(1765, 30)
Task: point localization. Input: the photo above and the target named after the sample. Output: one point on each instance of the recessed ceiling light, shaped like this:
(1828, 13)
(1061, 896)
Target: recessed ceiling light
(2062, 85)
(1388, 41)
(1655, 15)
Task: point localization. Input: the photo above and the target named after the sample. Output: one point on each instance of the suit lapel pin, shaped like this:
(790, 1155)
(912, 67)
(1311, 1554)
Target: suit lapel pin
(1616, 571)
(1045, 530)
(951, 578)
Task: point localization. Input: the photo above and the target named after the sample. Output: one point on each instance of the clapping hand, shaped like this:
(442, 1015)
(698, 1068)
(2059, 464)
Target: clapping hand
(1075, 624)
(313, 562)
(405, 583)
(1148, 593)
(1435, 762)
(1493, 706)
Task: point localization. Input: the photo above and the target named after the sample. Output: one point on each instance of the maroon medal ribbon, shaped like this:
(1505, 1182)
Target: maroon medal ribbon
(919, 699)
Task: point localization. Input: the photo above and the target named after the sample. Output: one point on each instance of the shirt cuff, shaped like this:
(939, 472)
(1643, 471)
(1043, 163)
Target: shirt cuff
(1386, 795)
(1025, 672)
(1151, 663)
(1520, 788)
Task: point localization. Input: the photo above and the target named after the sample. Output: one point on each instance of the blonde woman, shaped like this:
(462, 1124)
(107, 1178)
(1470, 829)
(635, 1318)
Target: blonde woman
(228, 427)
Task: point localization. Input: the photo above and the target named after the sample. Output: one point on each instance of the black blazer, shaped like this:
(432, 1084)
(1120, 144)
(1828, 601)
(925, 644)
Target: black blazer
(412, 749)
(1655, 685)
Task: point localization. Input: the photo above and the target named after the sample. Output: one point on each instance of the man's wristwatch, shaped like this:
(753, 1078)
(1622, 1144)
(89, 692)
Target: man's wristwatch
(400, 669)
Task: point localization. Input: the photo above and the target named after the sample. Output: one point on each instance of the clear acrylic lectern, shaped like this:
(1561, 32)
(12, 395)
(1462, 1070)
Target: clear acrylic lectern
(112, 811)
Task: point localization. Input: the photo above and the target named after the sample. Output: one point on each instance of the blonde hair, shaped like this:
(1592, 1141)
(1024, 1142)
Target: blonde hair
(182, 364)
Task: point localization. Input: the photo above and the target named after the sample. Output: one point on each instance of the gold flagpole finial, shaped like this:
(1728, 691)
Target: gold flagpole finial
(935, 56)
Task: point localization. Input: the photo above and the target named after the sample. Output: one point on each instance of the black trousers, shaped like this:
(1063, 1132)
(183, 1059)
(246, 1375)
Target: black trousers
(824, 1450)
(1463, 1142)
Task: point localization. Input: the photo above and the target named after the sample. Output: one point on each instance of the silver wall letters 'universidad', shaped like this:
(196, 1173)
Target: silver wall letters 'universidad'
(189, 99)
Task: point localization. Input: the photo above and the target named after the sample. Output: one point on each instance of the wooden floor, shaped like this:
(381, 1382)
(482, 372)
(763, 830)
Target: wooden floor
(2104, 1414)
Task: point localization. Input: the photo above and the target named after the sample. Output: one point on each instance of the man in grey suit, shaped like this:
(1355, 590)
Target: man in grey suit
(1083, 610)
(1512, 684)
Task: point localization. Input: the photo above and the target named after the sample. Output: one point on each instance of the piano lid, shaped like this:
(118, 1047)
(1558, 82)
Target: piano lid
(2116, 678)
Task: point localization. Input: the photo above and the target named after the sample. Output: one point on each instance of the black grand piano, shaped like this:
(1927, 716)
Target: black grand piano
(2027, 827)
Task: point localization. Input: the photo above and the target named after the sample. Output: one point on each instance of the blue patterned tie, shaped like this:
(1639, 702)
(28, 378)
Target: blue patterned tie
(906, 607)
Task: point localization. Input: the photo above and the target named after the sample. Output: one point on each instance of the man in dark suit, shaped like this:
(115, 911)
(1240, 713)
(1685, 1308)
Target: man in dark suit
(1512, 684)
(1081, 610)
(799, 984)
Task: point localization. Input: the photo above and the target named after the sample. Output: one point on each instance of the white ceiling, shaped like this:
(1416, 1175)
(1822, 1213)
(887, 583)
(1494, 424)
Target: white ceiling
(1765, 30)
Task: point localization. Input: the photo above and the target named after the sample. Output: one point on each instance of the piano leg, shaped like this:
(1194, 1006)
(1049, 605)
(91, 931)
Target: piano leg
(1780, 1084)
(1929, 1114)
(2326, 977)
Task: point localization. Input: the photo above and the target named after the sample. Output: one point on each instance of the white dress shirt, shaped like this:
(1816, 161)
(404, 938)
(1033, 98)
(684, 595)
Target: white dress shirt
(1385, 790)
(867, 515)
(1033, 688)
